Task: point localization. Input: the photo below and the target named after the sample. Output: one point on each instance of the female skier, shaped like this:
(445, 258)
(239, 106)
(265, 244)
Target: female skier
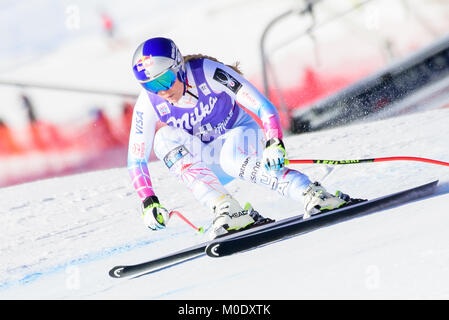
(210, 139)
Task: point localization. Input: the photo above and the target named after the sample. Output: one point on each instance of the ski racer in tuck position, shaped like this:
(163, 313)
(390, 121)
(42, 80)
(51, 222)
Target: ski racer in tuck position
(210, 138)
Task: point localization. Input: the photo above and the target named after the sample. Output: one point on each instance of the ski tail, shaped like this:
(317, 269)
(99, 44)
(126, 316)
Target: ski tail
(160, 263)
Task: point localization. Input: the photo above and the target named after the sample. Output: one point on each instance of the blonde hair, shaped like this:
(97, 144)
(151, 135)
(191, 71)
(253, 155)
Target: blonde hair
(190, 57)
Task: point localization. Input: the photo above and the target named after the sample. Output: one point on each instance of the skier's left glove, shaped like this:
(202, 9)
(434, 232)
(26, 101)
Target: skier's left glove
(154, 215)
(274, 155)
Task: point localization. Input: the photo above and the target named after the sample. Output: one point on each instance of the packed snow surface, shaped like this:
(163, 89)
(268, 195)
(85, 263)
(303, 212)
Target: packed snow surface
(60, 237)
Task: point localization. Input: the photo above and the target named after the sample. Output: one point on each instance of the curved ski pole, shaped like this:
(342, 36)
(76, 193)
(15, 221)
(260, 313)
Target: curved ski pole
(200, 229)
(340, 162)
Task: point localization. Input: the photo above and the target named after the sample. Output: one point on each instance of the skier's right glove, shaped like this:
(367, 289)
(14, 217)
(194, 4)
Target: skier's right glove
(154, 215)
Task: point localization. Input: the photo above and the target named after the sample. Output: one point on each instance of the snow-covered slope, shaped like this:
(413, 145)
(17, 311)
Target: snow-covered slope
(59, 237)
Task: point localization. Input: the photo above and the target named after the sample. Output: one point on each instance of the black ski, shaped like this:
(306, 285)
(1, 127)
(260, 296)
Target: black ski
(280, 230)
(160, 263)
(258, 235)
(173, 258)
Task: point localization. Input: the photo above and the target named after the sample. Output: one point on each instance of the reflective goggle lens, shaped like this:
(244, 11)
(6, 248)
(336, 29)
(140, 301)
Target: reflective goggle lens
(164, 82)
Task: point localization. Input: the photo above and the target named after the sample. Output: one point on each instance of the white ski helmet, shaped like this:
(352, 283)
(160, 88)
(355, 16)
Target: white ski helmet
(157, 63)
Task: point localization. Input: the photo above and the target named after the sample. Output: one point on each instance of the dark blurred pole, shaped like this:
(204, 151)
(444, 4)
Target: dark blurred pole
(29, 108)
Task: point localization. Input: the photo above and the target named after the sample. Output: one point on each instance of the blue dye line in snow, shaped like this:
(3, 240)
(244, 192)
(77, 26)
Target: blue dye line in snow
(90, 257)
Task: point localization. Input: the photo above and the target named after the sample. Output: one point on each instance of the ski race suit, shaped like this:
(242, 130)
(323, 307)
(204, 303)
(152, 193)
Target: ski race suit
(210, 139)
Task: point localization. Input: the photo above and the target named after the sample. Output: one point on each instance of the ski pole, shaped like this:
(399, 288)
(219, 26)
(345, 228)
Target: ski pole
(200, 229)
(339, 162)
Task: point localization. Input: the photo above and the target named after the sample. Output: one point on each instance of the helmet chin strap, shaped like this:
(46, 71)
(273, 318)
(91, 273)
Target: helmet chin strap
(183, 80)
(185, 86)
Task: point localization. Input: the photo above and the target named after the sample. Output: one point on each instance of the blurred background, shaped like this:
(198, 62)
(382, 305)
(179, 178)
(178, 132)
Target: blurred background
(67, 89)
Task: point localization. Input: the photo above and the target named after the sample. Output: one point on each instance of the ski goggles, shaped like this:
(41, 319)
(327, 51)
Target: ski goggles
(164, 82)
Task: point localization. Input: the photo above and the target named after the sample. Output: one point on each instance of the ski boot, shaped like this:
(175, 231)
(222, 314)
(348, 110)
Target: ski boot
(318, 200)
(230, 217)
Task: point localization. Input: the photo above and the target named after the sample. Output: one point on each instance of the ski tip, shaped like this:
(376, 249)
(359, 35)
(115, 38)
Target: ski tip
(212, 250)
(116, 272)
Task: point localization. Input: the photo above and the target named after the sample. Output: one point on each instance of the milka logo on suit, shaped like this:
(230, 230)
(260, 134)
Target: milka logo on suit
(189, 120)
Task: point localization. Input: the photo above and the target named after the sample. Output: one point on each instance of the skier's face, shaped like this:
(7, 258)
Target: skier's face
(174, 93)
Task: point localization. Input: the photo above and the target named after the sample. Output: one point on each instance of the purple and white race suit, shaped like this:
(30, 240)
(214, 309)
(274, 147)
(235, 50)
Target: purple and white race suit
(210, 139)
